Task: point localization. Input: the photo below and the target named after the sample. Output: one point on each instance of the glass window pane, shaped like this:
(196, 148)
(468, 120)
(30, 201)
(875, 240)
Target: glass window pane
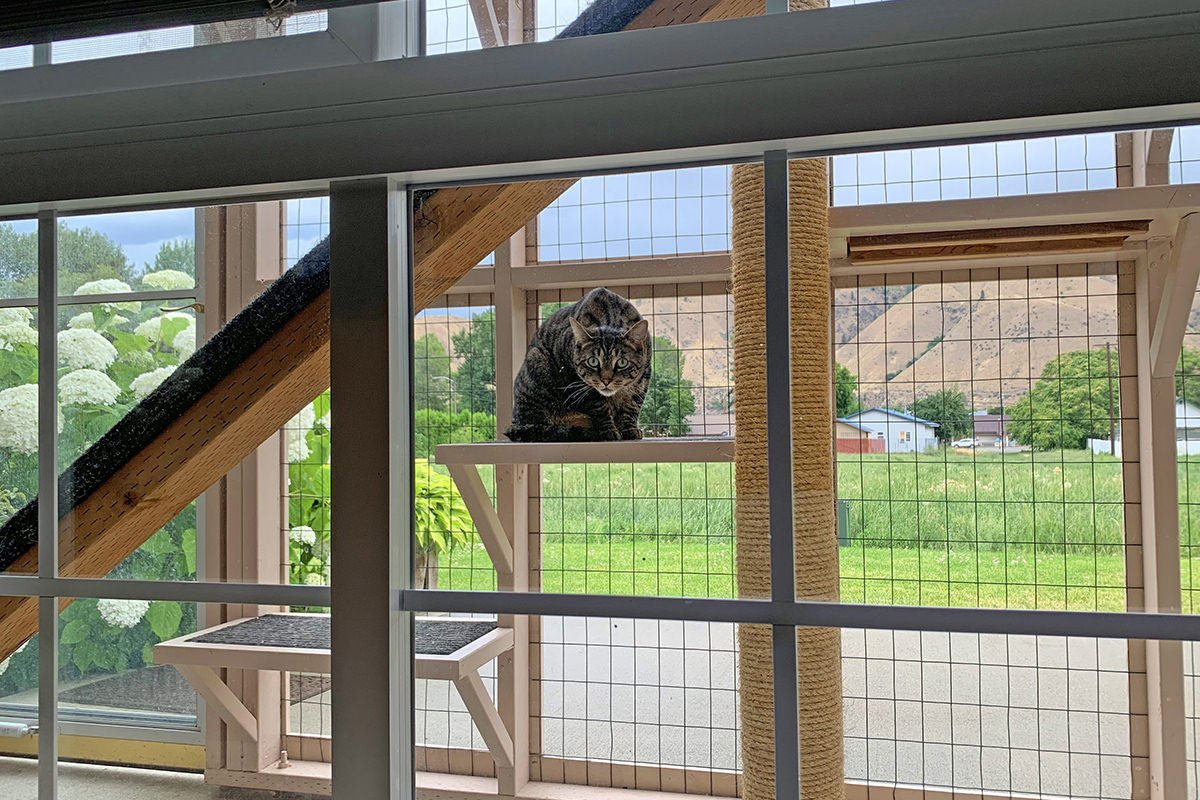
(132, 251)
(18, 696)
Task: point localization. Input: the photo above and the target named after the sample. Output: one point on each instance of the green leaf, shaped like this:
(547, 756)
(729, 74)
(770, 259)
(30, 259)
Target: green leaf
(74, 632)
(164, 617)
(159, 544)
(82, 655)
(189, 551)
(147, 653)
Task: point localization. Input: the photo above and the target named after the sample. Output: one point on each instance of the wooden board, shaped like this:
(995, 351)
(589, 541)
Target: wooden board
(984, 250)
(1023, 233)
(666, 450)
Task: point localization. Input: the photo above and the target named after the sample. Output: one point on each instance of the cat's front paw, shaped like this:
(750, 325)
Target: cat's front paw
(631, 433)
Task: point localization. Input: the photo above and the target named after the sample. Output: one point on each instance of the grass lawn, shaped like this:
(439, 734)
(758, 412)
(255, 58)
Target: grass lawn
(1020, 530)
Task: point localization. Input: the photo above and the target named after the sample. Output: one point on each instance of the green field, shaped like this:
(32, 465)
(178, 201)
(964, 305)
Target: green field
(1021, 530)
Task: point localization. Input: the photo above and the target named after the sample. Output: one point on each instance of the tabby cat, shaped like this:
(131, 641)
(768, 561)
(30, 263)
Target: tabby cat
(585, 374)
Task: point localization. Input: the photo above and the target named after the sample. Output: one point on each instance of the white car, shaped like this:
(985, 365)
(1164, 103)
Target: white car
(968, 442)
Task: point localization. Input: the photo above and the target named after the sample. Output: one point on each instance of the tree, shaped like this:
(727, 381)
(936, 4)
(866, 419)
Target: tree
(670, 399)
(1070, 402)
(430, 361)
(845, 388)
(475, 378)
(948, 408)
(83, 255)
(178, 255)
(1187, 376)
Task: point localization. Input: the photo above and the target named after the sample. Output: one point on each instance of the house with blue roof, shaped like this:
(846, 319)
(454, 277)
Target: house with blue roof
(899, 432)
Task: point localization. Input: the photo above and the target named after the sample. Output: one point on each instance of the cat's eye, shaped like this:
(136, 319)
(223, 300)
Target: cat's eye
(593, 362)
(622, 363)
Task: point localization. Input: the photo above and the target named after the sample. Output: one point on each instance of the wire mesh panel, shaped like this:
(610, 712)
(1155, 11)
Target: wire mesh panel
(617, 693)
(978, 420)
(1184, 158)
(1187, 435)
(639, 214)
(988, 714)
(989, 169)
(974, 452)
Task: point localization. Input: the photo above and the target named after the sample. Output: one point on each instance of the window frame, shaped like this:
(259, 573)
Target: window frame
(380, 600)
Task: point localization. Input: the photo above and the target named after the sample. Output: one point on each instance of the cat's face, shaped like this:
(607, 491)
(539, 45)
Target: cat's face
(610, 359)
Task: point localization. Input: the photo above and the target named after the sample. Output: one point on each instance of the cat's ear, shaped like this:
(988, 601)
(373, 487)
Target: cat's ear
(637, 333)
(581, 333)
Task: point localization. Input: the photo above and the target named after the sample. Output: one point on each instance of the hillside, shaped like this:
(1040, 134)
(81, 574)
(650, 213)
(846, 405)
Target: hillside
(990, 339)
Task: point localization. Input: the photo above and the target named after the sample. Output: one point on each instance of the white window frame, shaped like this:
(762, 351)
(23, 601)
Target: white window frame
(1041, 60)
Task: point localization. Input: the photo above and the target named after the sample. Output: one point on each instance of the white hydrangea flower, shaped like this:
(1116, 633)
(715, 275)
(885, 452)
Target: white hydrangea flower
(80, 348)
(152, 328)
(19, 418)
(302, 534)
(325, 420)
(297, 446)
(86, 320)
(167, 279)
(297, 432)
(185, 341)
(15, 316)
(110, 286)
(13, 333)
(87, 386)
(314, 579)
(147, 382)
(122, 613)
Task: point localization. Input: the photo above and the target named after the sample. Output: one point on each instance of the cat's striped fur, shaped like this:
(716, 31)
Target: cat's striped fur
(585, 374)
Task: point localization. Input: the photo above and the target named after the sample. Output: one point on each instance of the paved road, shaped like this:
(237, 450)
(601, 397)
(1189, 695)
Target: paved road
(1001, 713)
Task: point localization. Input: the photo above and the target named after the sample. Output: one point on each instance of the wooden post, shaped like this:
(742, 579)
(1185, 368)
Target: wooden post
(1160, 534)
(244, 520)
(512, 504)
(1135, 592)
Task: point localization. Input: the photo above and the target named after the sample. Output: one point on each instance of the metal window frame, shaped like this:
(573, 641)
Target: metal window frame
(353, 35)
(768, 67)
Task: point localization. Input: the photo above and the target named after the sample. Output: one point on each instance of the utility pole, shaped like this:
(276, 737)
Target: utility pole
(1112, 423)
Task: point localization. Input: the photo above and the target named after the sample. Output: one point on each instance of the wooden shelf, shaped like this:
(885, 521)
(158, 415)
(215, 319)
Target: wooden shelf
(681, 450)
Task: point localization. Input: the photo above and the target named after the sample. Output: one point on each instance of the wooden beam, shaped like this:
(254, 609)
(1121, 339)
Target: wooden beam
(909, 255)
(206, 683)
(483, 514)
(1159, 507)
(977, 236)
(1183, 272)
(486, 718)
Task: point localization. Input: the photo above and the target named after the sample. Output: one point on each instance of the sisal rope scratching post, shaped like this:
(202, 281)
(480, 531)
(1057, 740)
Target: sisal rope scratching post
(819, 650)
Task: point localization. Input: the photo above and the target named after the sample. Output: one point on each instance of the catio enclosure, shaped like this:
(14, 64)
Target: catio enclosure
(1013, 347)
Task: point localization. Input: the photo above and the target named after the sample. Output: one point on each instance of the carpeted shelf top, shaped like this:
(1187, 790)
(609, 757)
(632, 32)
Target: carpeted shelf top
(439, 637)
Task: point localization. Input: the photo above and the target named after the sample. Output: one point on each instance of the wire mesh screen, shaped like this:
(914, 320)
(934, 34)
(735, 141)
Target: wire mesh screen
(988, 714)
(1187, 436)
(989, 169)
(975, 435)
(450, 27)
(978, 421)
(617, 692)
(1184, 158)
(639, 214)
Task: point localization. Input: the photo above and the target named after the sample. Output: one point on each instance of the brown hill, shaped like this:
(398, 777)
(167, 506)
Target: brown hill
(991, 339)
